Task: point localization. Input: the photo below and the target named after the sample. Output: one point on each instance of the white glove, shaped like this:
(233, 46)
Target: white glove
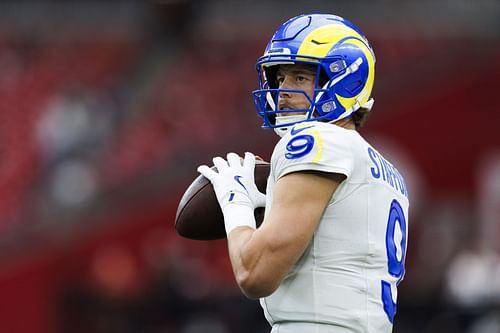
(235, 188)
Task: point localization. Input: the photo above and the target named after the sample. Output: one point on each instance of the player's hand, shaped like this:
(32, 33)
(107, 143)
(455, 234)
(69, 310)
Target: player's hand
(234, 181)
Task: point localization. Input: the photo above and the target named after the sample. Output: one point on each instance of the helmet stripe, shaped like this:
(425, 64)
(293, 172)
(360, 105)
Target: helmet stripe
(321, 40)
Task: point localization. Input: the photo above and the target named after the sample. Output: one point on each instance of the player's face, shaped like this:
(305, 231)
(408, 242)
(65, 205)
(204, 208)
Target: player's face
(298, 77)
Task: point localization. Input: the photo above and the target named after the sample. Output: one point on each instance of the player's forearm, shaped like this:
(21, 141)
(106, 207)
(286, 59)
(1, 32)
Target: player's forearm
(251, 266)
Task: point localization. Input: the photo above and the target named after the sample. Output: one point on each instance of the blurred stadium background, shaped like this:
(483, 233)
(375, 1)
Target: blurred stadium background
(107, 107)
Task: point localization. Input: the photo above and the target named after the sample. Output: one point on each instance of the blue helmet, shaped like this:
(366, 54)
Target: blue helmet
(345, 69)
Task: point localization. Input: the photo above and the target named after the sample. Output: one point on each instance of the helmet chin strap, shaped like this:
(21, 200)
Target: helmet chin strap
(292, 120)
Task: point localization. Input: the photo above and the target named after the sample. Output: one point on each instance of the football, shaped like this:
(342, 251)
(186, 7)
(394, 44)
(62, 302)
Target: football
(199, 215)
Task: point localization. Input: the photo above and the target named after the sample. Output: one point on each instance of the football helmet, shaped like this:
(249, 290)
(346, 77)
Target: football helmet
(345, 73)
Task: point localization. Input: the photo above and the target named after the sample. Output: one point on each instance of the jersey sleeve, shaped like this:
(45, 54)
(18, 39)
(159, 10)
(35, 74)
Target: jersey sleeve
(314, 147)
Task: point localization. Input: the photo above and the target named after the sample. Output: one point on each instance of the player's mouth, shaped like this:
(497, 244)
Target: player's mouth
(285, 106)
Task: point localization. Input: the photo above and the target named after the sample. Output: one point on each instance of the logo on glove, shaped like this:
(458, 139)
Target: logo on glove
(237, 178)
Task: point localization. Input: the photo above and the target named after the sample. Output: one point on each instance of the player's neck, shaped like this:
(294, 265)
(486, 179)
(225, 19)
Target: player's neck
(347, 123)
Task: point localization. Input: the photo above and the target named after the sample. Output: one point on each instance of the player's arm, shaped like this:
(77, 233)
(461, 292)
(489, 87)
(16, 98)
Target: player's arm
(262, 257)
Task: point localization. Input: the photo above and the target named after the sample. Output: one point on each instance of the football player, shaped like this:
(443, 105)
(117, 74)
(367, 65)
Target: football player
(331, 250)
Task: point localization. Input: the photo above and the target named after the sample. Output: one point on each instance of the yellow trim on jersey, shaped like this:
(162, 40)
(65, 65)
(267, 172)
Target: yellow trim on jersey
(318, 141)
(320, 145)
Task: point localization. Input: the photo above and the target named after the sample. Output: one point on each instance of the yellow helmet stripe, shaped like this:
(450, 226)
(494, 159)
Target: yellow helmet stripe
(320, 40)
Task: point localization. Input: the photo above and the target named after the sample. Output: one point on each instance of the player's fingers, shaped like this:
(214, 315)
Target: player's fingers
(233, 159)
(249, 161)
(207, 172)
(220, 163)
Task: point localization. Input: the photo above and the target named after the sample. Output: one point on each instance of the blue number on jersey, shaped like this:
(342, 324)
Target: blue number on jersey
(395, 266)
(299, 146)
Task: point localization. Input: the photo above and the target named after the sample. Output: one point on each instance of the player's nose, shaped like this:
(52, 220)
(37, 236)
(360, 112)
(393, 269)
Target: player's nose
(287, 82)
(283, 95)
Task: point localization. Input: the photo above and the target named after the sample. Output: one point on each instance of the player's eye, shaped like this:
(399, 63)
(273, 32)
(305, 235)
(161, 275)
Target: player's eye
(301, 78)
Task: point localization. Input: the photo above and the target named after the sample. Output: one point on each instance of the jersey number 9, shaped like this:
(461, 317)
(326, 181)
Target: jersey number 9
(395, 243)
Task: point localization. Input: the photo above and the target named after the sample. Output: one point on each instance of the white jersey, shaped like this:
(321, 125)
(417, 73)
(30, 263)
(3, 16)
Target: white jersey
(346, 279)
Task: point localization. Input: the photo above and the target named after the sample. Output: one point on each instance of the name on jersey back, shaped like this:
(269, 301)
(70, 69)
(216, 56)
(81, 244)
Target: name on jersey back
(382, 169)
